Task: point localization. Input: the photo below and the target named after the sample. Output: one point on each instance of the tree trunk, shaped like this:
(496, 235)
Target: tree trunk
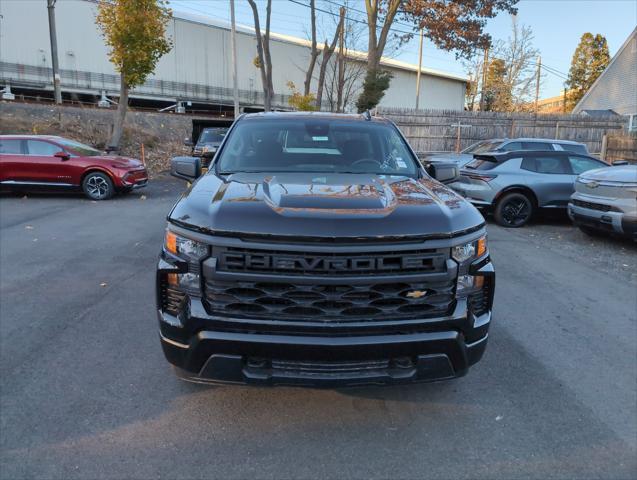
(266, 53)
(119, 116)
(376, 44)
(314, 53)
(267, 89)
(327, 53)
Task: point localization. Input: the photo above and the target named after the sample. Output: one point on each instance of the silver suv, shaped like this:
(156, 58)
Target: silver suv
(515, 184)
(606, 200)
(507, 145)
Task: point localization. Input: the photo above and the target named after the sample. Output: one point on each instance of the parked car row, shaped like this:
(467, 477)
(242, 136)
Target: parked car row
(34, 162)
(508, 145)
(515, 185)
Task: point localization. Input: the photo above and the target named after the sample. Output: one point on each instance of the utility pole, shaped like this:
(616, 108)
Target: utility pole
(564, 99)
(419, 69)
(233, 43)
(537, 81)
(54, 52)
(485, 66)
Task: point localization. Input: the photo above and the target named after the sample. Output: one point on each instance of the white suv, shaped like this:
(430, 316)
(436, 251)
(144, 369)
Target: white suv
(605, 199)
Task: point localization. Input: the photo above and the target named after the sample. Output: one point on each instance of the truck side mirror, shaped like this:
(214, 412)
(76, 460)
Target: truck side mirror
(188, 142)
(186, 168)
(443, 172)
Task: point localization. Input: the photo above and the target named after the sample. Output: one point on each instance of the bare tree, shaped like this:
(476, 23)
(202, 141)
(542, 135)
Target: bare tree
(263, 52)
(328, 51)
(314, 52)
(344, 79)
(513, 64)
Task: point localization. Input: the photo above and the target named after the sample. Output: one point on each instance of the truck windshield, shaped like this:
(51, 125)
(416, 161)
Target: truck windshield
(212, 135)
(309, 145)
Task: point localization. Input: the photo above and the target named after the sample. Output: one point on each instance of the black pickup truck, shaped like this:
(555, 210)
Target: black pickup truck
(318, 251)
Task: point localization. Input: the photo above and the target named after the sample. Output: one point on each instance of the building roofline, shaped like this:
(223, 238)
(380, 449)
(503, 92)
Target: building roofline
(615, 57)
(352, 54)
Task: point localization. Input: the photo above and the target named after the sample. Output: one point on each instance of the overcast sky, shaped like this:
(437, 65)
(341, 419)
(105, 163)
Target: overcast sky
(557, 26)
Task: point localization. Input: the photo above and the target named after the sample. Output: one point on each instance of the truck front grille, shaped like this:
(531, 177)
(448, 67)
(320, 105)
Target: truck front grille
(593, 206)
(282, 262)
(307, 302)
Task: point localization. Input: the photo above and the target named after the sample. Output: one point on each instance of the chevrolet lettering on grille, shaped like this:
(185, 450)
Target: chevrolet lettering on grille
(251, 261)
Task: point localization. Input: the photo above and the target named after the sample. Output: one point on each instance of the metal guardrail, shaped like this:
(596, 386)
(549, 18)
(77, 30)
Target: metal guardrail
(41, 77)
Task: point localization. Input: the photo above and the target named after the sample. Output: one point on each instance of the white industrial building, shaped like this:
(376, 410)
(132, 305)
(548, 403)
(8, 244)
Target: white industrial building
(198, 69)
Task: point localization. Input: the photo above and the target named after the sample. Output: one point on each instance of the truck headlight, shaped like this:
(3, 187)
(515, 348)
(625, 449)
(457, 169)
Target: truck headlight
(469, 251)
(185, 248)
(191, 252)
(464, 255)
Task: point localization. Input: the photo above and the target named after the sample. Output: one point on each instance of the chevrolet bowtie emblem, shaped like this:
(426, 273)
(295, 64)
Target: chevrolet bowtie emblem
(417, 293)
(592, 184)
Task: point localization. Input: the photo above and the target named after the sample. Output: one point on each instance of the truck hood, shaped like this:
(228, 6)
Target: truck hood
(323, 205)
(621, 173)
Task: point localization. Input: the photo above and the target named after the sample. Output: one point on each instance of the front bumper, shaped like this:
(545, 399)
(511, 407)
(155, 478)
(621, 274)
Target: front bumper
(614, 222)
(135, 179)
(252, 358)
(225, 351)
(210, 344)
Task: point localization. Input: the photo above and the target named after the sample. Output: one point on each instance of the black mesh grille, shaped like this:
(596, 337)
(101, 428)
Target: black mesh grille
(287, 301)
(593, 206)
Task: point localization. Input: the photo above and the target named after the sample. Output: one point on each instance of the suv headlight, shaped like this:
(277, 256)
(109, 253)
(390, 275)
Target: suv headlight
(191, 252)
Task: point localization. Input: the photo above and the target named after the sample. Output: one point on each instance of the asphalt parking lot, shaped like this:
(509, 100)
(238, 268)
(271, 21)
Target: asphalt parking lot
(86, 392)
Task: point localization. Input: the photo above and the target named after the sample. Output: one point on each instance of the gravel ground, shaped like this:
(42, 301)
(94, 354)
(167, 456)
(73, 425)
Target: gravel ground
(554, 232)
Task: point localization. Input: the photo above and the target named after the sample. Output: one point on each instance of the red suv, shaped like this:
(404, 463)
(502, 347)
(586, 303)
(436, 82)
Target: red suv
(37, 161)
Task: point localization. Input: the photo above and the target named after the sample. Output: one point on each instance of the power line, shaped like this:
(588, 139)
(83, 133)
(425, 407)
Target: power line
(394, 30)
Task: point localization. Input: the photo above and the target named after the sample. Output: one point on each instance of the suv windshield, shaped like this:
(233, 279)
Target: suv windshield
(212, 135)
(309, 145)
(79, 148)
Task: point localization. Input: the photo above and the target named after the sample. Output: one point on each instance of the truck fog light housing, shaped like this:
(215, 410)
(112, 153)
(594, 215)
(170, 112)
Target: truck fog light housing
(465, 284)
(188, 282)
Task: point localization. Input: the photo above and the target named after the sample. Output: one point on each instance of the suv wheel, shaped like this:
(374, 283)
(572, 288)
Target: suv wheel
(513, 210)
(98, 186)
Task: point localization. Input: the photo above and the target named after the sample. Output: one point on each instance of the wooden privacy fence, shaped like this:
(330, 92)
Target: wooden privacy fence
(438, 130)
(620, 147)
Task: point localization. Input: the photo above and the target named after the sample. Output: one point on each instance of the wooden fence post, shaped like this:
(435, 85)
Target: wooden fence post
(602, 154)
(512, 129)
(557, 130)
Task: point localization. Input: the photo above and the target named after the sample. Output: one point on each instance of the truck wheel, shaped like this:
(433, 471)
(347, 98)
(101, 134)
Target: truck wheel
(98, 186)
(513, 210)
